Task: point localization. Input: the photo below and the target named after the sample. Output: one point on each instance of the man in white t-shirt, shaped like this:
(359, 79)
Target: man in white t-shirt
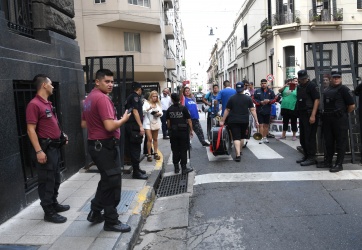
(165, 103)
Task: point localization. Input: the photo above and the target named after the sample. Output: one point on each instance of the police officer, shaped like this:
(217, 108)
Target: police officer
(307, 108)
(135, 131)
(45, 136)
(99, 116)
(179, 125)
(338, 102)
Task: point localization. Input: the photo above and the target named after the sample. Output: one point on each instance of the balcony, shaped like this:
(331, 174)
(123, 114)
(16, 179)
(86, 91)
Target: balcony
(169, 31)
(288, 18)
(325, 15)
(265, 28)
(170, 63)
(19, 16)
(244, 46)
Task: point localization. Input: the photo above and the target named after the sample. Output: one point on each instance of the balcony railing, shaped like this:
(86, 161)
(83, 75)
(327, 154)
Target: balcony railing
(19, 16)
(264, 26)
(325, 15)
(288, 18)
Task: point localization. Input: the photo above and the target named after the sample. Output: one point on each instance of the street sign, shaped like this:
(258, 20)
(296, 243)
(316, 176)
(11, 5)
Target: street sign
(270, 78)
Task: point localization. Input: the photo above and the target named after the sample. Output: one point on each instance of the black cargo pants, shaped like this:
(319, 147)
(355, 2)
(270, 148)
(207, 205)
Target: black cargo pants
(108, 194)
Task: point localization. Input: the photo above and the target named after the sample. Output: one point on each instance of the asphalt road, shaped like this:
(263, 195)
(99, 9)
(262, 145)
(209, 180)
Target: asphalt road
(267, 201)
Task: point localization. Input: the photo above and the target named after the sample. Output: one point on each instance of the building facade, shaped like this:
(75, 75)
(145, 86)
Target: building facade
(36, 37)
(270, 36)
(150, 30)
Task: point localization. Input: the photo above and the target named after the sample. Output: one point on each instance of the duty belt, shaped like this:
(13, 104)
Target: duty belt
(109, 143)
(54, 143)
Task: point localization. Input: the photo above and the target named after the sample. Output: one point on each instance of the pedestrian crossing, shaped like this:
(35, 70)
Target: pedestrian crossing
(278, 176)
(260, 151)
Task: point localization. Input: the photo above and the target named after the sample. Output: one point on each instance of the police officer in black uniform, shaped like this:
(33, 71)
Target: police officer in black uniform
(338, 102)
(134, 131)
(179, 125)
(307, 108)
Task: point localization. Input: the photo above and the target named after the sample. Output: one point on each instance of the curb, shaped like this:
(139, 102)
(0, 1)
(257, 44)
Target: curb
(145, 201)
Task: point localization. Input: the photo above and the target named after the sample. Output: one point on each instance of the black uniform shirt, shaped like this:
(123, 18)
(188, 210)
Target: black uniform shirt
(337, 98)
(239, 106)
(306, 95)
(134, 101)
(177, 114)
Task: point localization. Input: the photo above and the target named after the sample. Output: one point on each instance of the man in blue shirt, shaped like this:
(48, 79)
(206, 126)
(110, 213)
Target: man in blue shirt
(224, 95)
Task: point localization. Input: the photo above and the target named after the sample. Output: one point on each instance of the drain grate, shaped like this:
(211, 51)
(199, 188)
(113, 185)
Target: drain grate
(127, 197)
(172, 185)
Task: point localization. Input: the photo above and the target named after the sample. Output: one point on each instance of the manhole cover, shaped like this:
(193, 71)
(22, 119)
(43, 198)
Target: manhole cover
(172, 185)
(127, 197)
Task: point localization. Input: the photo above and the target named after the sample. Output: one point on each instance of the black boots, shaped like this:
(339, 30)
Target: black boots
(51, 215)
(137, 174)
(60, 208)
(177, 168)
(336, 168)
(95, 217)
(186, 170)
(308, 162)
(119, 227)
(302, 159)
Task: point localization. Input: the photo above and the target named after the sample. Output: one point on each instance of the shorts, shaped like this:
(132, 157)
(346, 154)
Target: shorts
(263, 119)
(238, 130)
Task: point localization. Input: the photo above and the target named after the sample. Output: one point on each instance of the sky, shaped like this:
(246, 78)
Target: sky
(197, 17)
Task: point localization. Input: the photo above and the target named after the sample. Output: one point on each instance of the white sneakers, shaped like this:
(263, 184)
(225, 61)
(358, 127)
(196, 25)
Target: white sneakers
(264, 139)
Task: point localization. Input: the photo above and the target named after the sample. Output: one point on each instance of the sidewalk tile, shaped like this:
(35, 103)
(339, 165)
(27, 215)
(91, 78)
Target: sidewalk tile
(103, 243)
(75, 202)
(82, 176)
(72, 243)
(83, 192)
(18, 226)
(9, 239)
(90, 184)
(37, 239)
(83, 229)
(31, 213)
(73, 184)
(48, 228)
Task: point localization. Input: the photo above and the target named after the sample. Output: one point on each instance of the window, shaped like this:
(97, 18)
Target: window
(359, 4)
(132, 42)
(144, 3)
(99, 1)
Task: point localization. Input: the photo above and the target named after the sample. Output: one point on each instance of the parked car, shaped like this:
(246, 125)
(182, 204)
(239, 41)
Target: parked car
(198, 97)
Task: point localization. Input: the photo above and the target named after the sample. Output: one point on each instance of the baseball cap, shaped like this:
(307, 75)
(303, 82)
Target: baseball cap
(239, 87)
(336, 73)
(302, 74)
(136, 85)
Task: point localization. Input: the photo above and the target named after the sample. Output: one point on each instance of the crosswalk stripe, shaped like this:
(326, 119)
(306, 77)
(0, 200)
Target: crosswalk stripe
(278, 176)
(262, 151)
(290, 143)
(217, 158)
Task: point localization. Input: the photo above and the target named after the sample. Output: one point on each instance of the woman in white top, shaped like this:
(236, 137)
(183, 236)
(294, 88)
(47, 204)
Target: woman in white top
(152, 111)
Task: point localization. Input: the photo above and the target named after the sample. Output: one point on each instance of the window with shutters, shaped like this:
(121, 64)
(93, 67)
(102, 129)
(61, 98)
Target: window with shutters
(132, 42)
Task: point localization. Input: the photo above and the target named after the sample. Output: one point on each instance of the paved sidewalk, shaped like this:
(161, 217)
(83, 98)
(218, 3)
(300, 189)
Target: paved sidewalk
(28, 230)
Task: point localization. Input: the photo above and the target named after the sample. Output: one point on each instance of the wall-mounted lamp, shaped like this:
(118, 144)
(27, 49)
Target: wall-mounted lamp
(296, 62)
(280, 66)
